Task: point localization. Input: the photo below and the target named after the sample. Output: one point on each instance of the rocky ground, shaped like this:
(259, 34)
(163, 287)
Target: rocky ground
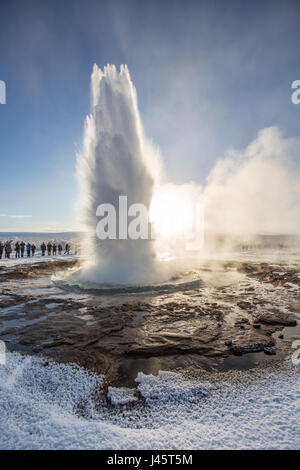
(242, 312)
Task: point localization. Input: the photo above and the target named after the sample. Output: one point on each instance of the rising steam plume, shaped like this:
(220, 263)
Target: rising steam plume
(250, 191)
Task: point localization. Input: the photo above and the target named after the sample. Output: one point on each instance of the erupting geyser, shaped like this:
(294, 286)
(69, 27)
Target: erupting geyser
(116, 161)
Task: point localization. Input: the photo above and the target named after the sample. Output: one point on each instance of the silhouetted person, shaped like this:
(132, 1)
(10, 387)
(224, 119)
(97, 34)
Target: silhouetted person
(33, 248)
(67, 249)
(49, 248)
(59, 248)
(8, 249)
(17, 249)
(54, 249)
(43, 248)
(28, 249)
(22, 247)
(1, 249)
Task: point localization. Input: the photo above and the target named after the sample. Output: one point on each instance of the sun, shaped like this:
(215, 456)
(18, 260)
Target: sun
(172, 212)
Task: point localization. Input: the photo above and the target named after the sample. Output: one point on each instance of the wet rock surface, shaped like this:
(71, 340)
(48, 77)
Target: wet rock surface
(276, 318)
(235, 312)
(32, 270)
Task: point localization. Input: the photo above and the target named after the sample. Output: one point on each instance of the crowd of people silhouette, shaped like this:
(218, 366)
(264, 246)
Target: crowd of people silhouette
(22, 248)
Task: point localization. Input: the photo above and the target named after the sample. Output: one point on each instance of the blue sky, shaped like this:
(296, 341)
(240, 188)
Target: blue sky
(209, 76)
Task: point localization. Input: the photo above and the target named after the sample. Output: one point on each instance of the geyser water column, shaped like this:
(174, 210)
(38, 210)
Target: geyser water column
(116, 161)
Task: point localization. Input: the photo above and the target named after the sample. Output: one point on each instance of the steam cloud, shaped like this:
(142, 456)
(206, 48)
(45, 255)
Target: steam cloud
(250, 191)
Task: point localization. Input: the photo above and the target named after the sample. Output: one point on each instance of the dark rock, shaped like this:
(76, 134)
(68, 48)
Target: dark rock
(269, 351)
(242, 321)
(244, 305)
(239, 350)
(276, 318)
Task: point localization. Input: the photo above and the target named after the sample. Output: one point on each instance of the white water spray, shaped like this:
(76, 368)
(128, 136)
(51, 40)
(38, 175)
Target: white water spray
(117, 160)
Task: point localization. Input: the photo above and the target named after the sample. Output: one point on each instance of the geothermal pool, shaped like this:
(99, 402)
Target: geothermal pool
(235, 317)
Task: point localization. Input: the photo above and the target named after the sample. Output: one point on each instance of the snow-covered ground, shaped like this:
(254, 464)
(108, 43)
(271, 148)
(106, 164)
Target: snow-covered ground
(251, 409)
(38, 258)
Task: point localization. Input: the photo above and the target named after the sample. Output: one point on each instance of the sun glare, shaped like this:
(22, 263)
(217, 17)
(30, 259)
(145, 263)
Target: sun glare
(171, 212)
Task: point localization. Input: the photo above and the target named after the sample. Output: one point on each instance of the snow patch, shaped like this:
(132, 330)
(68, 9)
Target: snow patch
(121, 396)
(51, 407)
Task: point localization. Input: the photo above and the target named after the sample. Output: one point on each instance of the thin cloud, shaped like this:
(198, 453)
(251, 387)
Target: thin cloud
(16, 216)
